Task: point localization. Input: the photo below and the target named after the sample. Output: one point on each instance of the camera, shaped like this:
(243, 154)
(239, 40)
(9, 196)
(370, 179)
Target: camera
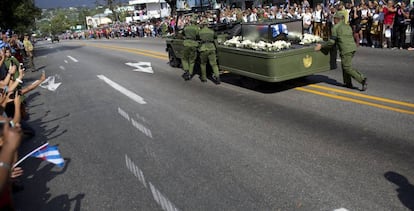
(13, 95)
(11, 124)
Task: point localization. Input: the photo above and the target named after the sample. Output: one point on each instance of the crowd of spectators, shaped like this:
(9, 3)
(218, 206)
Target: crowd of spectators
(375, 23)
(122, 30)
(15, 55)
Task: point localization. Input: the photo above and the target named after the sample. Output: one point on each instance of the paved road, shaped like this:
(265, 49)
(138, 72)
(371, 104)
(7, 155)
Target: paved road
(138, 140)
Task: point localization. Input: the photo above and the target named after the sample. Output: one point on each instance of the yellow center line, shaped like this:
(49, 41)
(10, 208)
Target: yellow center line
(137, 51)
(141, 50)
(165, 57)
(363, 95)
(355, 100)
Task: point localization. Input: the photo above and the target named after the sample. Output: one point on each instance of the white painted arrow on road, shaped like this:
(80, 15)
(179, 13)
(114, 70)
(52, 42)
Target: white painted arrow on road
(141, 67)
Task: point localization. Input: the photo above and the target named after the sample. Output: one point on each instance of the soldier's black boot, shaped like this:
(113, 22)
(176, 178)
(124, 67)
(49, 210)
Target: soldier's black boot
(186, 76)
(349, 85)
(216, 79)
(364, 84)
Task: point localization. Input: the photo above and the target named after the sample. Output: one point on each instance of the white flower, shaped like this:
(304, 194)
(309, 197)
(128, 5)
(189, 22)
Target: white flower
(309, 38)
(233, 41)
(247, 43)
(260, 46)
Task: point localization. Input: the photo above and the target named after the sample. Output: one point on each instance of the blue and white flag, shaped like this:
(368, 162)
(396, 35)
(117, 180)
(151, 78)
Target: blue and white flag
(50, 154)
(279, 29)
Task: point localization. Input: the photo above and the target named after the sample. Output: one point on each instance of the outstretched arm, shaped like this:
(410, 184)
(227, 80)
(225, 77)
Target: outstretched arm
(12, 139)
(34, 85)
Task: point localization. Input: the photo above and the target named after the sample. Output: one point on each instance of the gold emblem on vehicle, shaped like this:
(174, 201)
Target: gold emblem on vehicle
(307, 61)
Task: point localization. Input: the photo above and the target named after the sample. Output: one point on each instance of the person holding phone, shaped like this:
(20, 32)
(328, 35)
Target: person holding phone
(10, 59)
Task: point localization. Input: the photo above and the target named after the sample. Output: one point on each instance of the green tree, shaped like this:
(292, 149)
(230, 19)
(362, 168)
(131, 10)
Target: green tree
(59, 23)
(19, 15)
(44, 27)
(82, 16)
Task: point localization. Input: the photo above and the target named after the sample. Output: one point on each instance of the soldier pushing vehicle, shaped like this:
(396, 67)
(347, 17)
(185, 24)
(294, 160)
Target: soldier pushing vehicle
(190, 48)
(207, 51)
(343, 38)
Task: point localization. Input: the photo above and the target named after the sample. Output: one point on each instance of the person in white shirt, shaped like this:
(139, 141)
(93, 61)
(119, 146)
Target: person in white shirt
(317, 16)
(280, 14)
(253, 16)
(307, 21)
(365, 16)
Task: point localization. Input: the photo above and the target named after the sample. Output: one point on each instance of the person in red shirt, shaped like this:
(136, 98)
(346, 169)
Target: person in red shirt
(389, 14)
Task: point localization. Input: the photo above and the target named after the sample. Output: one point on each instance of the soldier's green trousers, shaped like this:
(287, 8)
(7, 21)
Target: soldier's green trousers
(208, 56)
(189, 58)
(347, 70)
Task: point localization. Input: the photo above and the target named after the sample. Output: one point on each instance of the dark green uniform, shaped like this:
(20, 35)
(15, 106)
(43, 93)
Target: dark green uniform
(190, 48)
(9, 61)
(208, 53)
(342, 36)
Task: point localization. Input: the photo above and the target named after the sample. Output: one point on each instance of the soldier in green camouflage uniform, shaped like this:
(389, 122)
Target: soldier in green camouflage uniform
(342, 36)
(190, 48)
(208, 53)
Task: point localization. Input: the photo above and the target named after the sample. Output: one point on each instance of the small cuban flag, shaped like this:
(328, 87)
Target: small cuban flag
(50, 154)
(279, 29)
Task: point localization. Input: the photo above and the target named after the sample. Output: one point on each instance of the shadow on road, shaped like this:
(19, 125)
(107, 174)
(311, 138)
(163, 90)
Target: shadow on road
(38, 173)
(405, 189)
(269, 88)
(45, 50)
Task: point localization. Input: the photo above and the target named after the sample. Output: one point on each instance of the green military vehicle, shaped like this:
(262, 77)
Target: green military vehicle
(262, 51)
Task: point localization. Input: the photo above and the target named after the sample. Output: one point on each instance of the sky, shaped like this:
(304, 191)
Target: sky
(44, 4)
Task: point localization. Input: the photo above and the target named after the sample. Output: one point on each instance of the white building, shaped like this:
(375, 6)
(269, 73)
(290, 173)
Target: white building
(97, 20)
(148, 9)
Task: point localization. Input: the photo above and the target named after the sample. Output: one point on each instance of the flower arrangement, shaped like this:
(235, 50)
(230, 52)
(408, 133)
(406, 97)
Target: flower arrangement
(309, 38)
(259, 46)
(279, 45)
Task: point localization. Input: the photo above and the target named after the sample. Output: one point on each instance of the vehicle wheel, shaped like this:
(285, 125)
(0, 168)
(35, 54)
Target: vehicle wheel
(174, 62)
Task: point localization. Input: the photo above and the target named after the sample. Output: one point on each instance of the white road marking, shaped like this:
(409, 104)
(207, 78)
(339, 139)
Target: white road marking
(123, 90)
(341, 209)
(66, 61)
(135, 170)
(50, 84)
(62, 67)
(141, 128)
(141, 67)
(162, 200)
(123, 113)
(135, 123)
(73, 59)
(338, 60)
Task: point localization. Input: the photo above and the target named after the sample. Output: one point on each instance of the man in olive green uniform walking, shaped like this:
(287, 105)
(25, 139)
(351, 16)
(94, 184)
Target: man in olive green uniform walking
(342, 36)
(190, 49)
(208, 53)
